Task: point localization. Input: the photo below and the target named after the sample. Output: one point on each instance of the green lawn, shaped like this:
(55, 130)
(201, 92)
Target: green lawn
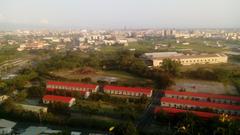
(9, 52)
(139, 46)
(195, 45)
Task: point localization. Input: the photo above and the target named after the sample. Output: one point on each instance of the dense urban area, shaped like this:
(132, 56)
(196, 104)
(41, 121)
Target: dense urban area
(120, 82)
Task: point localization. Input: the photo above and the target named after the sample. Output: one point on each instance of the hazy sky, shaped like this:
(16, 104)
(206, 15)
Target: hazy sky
(120, 13)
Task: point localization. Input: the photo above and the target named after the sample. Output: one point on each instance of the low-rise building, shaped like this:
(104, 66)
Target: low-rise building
(207, 97)
(127, 91)
(34, 108)
(175, 111)
(71, 86)
(3, 98)
(33, 130)
(6, 126)
(58, 99)
(157, 58)
(191, 105)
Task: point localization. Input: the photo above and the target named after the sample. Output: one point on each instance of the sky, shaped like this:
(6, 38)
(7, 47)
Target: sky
(122, 13)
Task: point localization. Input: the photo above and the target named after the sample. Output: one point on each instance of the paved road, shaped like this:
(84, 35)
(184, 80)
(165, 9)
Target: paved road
(147, 115)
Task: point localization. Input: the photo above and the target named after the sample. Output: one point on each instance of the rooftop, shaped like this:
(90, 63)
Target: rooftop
(175, 55)
(161, 54)
(6, 123)
(198, 113)
(57, 98)
(204, 95)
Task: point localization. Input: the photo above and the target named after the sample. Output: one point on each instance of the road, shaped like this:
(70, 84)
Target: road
(147, 118)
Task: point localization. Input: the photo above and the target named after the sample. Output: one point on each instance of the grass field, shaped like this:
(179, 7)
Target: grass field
(123, 78)
(204, 86)
(138, 46)
(198, 45)
(200, 48)
(9, 52)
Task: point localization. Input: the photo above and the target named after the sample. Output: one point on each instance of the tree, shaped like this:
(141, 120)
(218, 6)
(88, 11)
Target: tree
(189, 124)
(36, 91)
(171, 66)
(21, 96)
(126, 128)
(143, 99)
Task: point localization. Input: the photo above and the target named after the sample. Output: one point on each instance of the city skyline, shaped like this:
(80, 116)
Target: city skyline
(120, 14)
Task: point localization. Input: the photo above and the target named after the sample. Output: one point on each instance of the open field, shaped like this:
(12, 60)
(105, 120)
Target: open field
(200, 48)
(199, 45)
(138, 46)
(123, 78)
(10, 52)
(204, 86)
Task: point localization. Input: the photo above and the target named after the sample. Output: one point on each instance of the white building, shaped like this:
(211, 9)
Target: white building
(157, 58)
(6, 126)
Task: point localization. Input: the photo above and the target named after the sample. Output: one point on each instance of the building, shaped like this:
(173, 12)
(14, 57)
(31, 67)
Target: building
(58, 99)
(207, 97)
(76, 133)
(6, 126)
(3, 98)
(32, 130)
(204, 115)
(158, 57)
(34, 108)
(71, 86)
(87, 89)
(127, 91)
(31, 46)
(200, 105)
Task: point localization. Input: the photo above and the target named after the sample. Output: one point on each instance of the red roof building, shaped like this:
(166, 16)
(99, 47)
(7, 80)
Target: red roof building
(70, 86)
(202, 96)
(128, 91)
(174, 111)
(189, 104)
(52, 98)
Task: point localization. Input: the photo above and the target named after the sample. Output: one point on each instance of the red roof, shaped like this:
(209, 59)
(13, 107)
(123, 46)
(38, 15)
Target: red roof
(199, 103)
(200, 114)
(57, 98)
(71, 84)
(205, 95)
(130, 89)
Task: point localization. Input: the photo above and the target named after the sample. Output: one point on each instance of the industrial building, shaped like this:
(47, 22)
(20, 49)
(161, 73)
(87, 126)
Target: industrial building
(156, 59)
